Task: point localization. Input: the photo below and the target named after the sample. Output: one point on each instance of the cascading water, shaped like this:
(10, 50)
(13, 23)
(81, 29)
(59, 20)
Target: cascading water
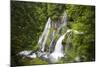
(43, 37)
(58, 52)
(27, 53)
(63, 21)
(56, 49)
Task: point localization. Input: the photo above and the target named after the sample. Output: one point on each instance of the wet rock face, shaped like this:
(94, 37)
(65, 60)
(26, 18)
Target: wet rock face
(52, 46)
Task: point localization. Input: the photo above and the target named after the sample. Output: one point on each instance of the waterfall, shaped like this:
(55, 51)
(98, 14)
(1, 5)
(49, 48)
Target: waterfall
(59, 47)
(56, 48)
(43, 37)
(58, 51)
(63, 21)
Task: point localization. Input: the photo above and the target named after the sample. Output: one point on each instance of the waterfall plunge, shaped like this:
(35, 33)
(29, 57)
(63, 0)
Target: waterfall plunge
(58, 52)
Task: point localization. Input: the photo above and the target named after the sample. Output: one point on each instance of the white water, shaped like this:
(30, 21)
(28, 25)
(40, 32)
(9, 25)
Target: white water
(58, 51)
(43, 37)
(59, 47)
(33, 55)
(25, 52)
(28, 54)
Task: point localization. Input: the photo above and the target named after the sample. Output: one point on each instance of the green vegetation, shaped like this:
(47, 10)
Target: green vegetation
(28, 20)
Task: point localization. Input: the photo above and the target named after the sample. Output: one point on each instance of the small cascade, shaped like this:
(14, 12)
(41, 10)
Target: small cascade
(63, 21)
(44, 36)
(28, 54)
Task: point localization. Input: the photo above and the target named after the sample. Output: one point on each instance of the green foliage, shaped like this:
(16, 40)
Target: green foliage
(82, 19)
(55, 10)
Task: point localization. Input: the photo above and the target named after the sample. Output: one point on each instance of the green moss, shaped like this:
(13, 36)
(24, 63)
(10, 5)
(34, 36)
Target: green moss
(36, 61)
